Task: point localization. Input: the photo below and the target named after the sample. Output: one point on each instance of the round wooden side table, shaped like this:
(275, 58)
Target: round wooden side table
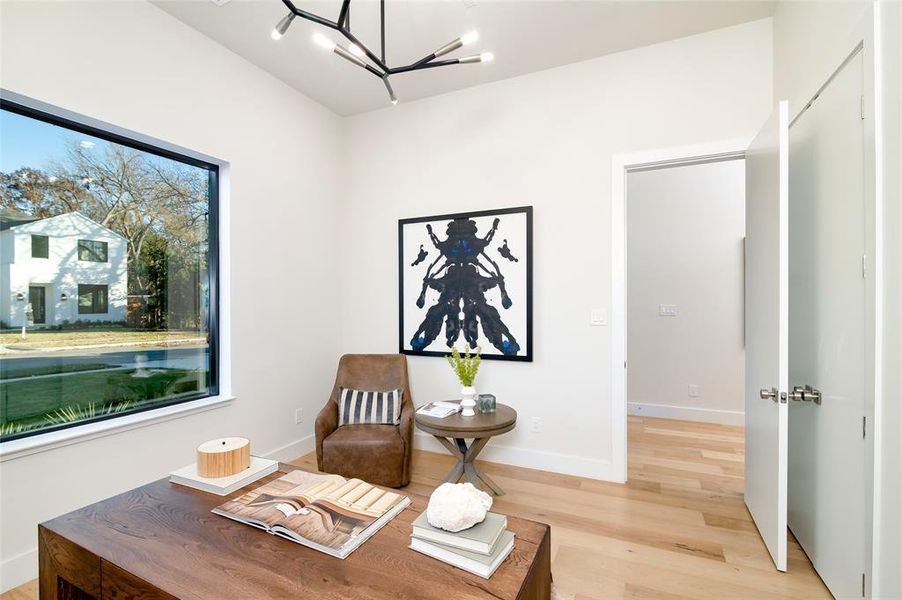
(453, 433)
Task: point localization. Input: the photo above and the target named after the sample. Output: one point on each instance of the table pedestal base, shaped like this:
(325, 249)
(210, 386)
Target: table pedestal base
(465, 467)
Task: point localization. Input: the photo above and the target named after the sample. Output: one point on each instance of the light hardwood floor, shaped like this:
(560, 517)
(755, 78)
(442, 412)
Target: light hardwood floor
(677, 529)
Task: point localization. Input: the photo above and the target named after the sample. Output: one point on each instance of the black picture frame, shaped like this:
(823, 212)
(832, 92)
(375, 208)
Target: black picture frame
(404, 264)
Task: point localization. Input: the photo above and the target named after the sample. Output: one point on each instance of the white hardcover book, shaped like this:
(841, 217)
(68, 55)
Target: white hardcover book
(477, 564)
(438, 409)
(222, 486)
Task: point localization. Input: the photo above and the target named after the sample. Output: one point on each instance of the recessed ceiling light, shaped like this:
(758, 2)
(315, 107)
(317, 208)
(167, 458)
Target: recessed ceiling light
(219, 2)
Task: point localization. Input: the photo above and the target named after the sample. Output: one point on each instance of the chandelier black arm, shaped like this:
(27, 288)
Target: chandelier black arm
(310, 16)
(423, 65)
(343, 14)
(381, 27)
(351, 38)
(340, 29)
(427, 62)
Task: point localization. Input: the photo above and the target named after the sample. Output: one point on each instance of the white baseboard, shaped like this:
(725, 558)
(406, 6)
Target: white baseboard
(19, 569)
(566, 464)
(688, 413)
(293, 450)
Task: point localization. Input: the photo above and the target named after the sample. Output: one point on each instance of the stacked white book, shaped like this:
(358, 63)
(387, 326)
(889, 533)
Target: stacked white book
(479, 550)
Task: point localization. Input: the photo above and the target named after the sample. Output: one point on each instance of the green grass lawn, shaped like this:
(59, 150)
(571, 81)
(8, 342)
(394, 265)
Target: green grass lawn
(31, 401)
(50, 339)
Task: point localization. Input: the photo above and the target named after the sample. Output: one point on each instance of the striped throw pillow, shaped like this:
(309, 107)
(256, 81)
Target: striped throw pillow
(356, 407)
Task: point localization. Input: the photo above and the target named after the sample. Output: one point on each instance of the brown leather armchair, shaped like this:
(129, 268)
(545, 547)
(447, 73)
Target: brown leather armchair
(378, 454)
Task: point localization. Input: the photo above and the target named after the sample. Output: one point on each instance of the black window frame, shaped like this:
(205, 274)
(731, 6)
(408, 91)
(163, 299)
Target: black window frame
(46, 243)
(96, 248)
(100, 298)
(213, 282)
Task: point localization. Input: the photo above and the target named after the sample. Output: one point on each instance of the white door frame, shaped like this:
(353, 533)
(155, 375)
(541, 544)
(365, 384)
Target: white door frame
(621, 164)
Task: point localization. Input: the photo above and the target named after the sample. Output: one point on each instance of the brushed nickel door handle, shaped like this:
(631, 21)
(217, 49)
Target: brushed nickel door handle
(805, 394)
(769, 394)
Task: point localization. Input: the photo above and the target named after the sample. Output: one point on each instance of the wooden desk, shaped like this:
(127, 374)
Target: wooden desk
(161, 541)
(453, 433)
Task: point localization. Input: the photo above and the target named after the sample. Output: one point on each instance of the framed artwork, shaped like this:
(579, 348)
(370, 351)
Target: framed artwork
(465, 280)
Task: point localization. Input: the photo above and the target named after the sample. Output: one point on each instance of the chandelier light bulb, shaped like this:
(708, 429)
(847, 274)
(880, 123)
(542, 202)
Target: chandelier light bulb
(391, 91)
(323, 42)
(468, 38)
(356, 51)
(484, 57)
(282, 26)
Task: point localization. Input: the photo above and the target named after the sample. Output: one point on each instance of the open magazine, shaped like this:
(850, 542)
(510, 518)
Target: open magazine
(325, 512)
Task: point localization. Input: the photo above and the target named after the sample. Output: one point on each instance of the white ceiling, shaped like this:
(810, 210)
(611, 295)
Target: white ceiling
(524, 35)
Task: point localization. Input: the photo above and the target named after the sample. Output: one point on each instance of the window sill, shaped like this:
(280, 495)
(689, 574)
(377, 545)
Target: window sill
(74, 435)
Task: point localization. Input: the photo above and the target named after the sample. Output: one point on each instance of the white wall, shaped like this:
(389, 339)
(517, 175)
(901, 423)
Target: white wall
(132, 65)
(685, 227)
(811, 39)
(546, 140)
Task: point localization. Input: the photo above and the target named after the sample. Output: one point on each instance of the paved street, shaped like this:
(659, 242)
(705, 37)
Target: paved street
(146, 356)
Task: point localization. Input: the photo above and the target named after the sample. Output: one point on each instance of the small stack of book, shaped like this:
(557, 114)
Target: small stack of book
(479, 550)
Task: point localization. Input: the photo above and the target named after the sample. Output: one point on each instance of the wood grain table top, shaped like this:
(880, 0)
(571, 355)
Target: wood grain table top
(165, 534)
(480, 425)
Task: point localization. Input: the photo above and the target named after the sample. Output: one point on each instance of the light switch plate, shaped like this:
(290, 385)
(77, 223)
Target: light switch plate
(598, 317)
(667, 310)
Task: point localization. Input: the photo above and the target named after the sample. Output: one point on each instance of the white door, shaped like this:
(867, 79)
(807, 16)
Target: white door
(827, 316)
(767, 336)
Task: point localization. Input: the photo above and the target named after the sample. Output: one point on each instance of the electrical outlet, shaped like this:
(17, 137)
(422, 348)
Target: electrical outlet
(693, 390)
(598, 317)
(298, 416)
(536, 425)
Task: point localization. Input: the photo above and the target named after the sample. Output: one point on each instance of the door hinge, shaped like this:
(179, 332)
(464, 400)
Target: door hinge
(864, 266)
(861, 108)
(624, 364)
(862, 585)
(864, 426)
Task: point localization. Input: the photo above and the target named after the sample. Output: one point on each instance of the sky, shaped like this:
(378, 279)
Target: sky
(26, 142)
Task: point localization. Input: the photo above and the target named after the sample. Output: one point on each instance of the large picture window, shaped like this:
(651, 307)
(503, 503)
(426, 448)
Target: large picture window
(123, 315)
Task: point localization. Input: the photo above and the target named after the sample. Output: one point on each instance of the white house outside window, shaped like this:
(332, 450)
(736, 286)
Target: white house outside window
(108, 275)
(92, 299)
(93, 250)
(40, 246)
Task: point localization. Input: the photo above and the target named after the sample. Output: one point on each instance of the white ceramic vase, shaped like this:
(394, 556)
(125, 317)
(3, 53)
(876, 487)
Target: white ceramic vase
(468, 401)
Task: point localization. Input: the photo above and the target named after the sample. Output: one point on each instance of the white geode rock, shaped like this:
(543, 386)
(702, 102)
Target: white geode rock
(457, 506)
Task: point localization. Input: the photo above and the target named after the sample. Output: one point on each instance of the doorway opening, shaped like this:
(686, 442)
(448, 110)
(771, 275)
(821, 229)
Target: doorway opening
(685, 346)
(678, 221)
